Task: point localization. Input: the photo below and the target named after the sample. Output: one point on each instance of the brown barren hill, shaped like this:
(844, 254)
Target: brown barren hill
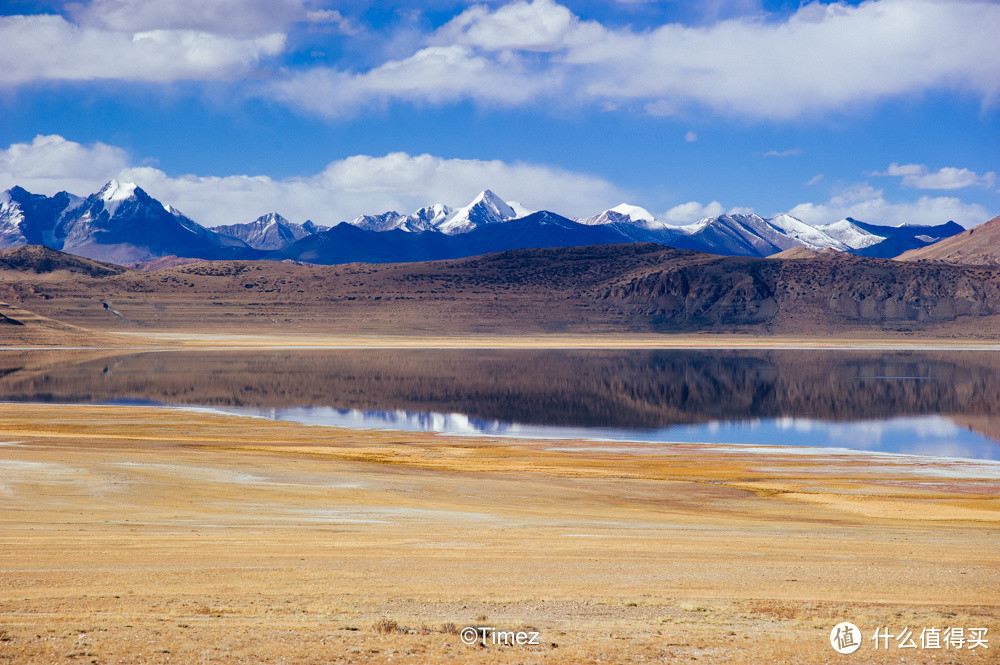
(601, 289)
(40, 259)
(979, 246)
(806, 253)
(20, 327)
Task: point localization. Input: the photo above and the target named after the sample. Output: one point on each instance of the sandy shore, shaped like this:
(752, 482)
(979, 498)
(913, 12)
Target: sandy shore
(142, 535)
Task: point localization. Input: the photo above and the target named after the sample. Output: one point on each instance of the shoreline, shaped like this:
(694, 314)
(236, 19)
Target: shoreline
(149, 535)
(173, 341)
(564, 442)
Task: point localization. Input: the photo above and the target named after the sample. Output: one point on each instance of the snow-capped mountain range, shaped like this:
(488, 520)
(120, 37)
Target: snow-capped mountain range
(122, 223)
(487, 208)
(270, 231)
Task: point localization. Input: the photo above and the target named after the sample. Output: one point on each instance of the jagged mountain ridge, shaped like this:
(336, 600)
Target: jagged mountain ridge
(267, 232)
(122, 223)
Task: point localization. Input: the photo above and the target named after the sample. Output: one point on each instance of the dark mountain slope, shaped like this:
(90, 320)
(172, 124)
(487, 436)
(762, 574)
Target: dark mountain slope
(977, 246)
(345, 243)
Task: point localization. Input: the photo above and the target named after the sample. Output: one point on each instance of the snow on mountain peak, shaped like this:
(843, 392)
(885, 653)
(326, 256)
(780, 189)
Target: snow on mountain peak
(852, 235)
(117, 191)
(270, 219)
(486, 208)
(113, 193)
(493, 204)
(520, 210)
(634, 212)
(810, 236)
(623, 213)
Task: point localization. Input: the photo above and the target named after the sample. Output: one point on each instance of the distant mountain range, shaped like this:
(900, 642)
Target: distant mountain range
(979, 246)
(123, 224)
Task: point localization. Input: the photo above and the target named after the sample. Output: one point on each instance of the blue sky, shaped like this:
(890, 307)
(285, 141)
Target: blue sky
(888, 111)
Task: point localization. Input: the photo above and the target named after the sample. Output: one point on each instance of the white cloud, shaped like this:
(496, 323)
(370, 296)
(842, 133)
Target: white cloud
(660, 107)
(333, 17)
(435, 74)
(539, 25)
(791, 152)
(49, 47)
(813, 180)
(864, 202)
(50, 164)
(692, 211)
(823, 58)
(234, 17)
(691, 137)
(341, 191)
(948, 177)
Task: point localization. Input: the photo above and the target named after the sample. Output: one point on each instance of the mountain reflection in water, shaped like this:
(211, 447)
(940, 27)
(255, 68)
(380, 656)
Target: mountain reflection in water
(841, 397)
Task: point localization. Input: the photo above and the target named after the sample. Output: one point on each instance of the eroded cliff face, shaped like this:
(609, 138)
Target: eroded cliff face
(702, 295)
(749, 291)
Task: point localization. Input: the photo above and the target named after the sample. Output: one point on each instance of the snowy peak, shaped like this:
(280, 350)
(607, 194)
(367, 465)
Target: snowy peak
(490, 202)
(486, 208)
(427, 217)
(114, 193)
(810, 237)
(623, 213)
(744, 234)
(520, 210)
(270, 231)
(117, 191)
(852, 235)
(271, 218)
(635, 213)
(387, 221)
(11, 220)
(31, 219)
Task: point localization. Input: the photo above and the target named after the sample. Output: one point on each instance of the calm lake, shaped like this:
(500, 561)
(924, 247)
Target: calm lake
(925, 403)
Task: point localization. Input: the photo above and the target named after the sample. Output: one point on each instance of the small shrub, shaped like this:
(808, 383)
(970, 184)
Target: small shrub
(386, 625)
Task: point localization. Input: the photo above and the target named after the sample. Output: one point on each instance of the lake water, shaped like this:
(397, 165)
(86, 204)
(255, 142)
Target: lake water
(939, 404)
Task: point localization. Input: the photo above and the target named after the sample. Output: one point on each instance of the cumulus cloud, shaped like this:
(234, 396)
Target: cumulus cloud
(540, 25)
(436, 74)
(692, 211)
(948, 177)
(813, 180)
(691, 136)
(49, 47)
(233, 17)
(341, 191)
(50, 164)
(864, 202)
(822, 58)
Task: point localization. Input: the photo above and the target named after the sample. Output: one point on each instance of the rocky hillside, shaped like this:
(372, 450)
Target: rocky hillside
(738, 291)
(605, 288)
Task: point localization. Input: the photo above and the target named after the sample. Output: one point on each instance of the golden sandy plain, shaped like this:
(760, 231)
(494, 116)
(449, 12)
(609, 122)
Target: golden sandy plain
(145, 535)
